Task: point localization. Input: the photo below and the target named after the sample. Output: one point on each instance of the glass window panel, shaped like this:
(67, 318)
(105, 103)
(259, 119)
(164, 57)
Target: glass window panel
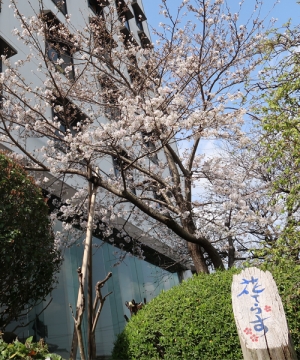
(52, 53)
(132, 279)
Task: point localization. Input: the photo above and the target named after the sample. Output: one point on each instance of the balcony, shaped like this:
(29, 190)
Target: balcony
(127, 35)
(145, 41)
(98, 5)
(6, 49)
(123, 10)
(61, 5)
(138, 14)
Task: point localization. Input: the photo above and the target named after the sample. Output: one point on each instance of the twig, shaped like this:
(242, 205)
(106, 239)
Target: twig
(99, 298)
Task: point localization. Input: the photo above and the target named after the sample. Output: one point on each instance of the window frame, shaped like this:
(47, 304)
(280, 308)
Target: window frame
(111, 109)
(149, 144)
(104, 40)
(97, 6)
(124, 13)
(9, 51)
(139, 23)
(158, 197)
(61, 5)
(60, 132)
(132, 69)
(56, 49)
(62, 53)
(138, 14)
(117, 165)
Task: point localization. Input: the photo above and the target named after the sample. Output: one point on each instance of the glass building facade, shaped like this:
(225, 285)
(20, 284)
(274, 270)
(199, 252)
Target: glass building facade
(132, 278)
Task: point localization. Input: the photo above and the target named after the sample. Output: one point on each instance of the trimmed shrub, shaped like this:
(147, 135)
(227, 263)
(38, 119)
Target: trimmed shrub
(194, 320)
(287, 278)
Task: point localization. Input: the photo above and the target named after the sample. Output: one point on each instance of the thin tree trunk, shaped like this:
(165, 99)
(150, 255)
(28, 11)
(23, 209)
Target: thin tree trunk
(231, 252)
(74, 345)
(90, 309)
(90, 289)
(78, 321)
(86, 254)
(80, 342)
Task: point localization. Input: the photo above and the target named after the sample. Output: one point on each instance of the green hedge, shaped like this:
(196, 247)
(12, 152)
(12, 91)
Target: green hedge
(195, 321)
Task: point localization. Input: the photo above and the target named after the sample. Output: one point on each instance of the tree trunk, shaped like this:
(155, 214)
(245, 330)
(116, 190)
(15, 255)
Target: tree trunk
(90, 307)
(79, 316)
(197, 253)
(198, 258)
(80, 342)
(90, 337)
(231, 252)
(74, 345)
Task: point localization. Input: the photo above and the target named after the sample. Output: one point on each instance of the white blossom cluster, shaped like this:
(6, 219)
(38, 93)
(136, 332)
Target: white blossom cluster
(133, 120)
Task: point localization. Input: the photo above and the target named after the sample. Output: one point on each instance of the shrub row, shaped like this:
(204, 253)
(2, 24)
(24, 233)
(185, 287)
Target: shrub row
(194, 320)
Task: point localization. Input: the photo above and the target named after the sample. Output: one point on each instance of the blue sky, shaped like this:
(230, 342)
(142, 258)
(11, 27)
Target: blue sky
(283, 11)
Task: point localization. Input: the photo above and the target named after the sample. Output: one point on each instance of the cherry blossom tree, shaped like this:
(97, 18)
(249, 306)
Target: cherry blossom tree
(134, 119)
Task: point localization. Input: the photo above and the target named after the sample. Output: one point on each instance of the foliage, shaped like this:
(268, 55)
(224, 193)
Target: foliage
(27, 351)
(143, 103)
(195, 320)
(287, 276)
(28, 257)
(191, 321)
(280, 122)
